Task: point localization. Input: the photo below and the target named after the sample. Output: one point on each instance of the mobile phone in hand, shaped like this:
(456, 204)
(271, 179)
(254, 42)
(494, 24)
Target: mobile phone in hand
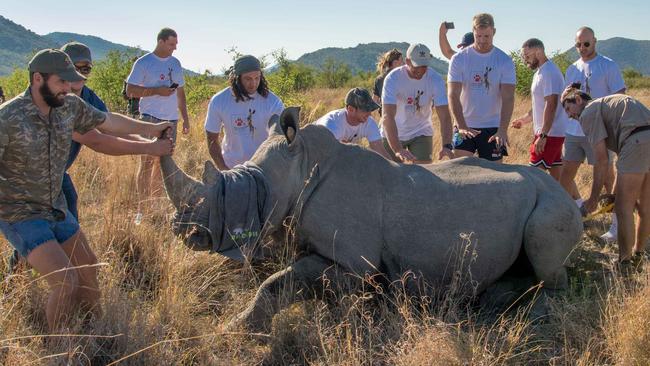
(449, 25)
(174, 86)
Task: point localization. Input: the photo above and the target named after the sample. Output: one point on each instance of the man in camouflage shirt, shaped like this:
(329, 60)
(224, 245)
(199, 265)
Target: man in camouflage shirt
(35, 136)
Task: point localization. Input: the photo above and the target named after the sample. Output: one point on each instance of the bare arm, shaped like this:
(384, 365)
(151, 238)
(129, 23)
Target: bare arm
(118, 124)
(378, 147)
(113, 145)
(135, 91)
(214, 147)
(550, 106)
(446, 130)
(453, 94)
(182, 106)
(600, 173)
(445, 47)
(390, 128)
(507, 105)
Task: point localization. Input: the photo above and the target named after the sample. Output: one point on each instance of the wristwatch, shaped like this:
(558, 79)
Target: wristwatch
(543, 135)
(448, 146)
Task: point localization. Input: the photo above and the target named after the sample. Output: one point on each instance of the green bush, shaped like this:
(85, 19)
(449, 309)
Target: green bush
(198, 91)
(108, 76)
(334, 74)
(15, 83)
(525, 74)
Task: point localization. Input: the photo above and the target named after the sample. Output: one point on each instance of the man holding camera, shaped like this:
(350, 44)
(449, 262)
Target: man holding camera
(157, 79)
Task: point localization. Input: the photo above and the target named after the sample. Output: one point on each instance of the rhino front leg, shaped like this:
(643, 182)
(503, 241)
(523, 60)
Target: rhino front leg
(303, 279)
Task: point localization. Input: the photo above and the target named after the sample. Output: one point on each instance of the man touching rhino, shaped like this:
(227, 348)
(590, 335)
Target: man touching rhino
(354, 122)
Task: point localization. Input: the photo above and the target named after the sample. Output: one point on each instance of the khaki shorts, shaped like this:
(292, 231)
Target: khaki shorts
(577, 148)
(421, 147)
(635, 154)
(152, 119)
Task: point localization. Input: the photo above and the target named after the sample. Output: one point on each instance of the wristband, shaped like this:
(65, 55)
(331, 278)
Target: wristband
(448, 146)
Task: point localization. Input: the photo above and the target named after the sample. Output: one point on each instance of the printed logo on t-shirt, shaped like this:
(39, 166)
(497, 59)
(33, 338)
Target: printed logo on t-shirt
(239, 121)
(351, 139)
(587, 87)
(162, 76)
(171, 80)
(249, 121)
(481, 79)
(419, 93)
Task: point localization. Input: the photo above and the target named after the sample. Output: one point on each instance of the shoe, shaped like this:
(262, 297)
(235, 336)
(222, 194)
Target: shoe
(609, 237)
(138, 218)
(579, 202)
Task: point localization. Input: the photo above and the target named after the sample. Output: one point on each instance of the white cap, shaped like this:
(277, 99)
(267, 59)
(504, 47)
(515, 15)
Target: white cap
(419, 54)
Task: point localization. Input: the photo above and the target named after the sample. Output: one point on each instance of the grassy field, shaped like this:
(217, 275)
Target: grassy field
(167, 305)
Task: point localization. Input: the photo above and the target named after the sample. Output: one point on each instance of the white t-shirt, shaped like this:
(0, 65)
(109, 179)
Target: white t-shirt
(481, 75)
(548, 80)
(599, 77)
(336, 121)
(414, 100)
(245, 123)
(151, 71)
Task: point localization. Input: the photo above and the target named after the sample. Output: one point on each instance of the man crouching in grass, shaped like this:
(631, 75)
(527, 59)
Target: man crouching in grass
(35, 137)
(621, 124)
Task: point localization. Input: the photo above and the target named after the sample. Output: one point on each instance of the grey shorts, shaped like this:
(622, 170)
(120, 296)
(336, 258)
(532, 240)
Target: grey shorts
(149, 118)
(635, 154)
(577, 148)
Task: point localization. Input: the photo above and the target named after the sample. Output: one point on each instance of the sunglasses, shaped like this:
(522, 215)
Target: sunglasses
(85, 70)
(586, 44)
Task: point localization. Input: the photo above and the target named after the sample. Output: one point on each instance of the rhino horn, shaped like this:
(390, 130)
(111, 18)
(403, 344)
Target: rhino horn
(181, 189)
(289, 122)
(210, 173)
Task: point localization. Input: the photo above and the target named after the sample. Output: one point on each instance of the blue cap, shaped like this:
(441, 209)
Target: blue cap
(468, 39)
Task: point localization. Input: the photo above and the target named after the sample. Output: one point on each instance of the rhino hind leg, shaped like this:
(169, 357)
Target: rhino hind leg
(301, 280)
(552, 231)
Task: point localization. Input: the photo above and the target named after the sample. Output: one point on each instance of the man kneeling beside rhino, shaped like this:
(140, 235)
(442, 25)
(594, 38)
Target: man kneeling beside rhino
(356, 212)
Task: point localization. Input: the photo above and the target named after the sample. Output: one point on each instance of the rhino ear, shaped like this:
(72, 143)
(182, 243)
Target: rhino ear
(274, 125)
(289, 122)
(210, 173)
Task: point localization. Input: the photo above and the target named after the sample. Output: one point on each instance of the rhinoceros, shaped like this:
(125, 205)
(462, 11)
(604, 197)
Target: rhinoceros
(360, 213)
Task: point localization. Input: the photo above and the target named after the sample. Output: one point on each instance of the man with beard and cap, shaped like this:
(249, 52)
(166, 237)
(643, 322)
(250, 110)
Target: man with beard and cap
(243, 111)
(481, 83)
(35, 135)
(353, 123)
(598, 76)
(547, 115)
(157, 79)
(410, 93)
(621, 124)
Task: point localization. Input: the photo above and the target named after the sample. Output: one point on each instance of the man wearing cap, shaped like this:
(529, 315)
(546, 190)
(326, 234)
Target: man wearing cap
(157, 79)
(598, 76)
(35, 136)
(445, 47)
(243, 111)
(482, 82)
(107, 144)
(410, 93)
(548, 117)
(353, 123)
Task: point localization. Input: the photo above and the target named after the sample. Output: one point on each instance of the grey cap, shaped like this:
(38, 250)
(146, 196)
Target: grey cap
(419, 54)
(78, 52)
(51, 61)
(246, 63)
(360, 98)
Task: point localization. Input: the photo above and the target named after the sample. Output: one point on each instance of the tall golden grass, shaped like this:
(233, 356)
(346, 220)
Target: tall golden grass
(166, 305)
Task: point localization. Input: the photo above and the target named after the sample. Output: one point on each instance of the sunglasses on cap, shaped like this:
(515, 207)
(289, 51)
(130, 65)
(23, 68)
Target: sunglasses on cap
(84, 70)
(586, 44)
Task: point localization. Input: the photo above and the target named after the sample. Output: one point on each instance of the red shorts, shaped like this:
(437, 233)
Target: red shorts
(552, 155)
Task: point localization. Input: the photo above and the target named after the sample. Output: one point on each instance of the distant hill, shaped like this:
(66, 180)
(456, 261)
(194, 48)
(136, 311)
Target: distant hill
(624, 51)
(18, 45)
(363, 57)
(99, 47)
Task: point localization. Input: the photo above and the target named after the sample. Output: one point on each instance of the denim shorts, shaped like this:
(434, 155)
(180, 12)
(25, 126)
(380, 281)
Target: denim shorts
(26, 235)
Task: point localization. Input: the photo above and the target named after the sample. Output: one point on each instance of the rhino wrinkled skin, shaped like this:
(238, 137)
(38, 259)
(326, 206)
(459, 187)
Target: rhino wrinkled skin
(359, 213)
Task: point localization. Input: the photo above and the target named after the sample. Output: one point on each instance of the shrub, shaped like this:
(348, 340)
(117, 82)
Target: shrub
(108, 76)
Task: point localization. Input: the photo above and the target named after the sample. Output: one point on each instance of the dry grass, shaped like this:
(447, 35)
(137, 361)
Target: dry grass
(166, 305)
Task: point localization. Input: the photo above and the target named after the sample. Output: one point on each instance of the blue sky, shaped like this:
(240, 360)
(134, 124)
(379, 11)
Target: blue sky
(207, 28)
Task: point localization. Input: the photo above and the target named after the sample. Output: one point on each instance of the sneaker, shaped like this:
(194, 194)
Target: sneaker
(611, 234)
(579, 202)
(138, 218)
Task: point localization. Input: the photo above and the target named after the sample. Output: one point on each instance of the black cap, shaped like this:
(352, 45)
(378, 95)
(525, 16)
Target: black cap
(51, 61)
(360, 98)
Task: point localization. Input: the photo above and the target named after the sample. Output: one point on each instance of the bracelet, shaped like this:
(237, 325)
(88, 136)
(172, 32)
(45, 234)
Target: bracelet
(448, 146)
